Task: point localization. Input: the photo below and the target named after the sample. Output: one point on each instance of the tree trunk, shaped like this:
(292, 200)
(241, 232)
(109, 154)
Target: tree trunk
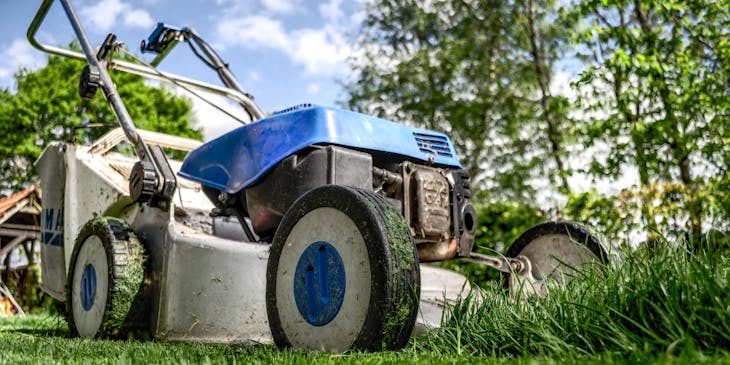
(676, 140)
(543, 80)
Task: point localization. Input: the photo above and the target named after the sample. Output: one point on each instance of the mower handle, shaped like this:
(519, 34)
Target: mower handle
(96, 65)
(152, 176)
(241, 98)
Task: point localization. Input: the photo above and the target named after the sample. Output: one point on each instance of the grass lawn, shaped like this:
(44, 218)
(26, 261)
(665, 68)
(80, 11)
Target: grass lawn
(43, 339)
(669, 307)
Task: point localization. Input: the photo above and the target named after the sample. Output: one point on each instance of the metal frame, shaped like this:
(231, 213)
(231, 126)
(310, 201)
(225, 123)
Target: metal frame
(154, 181)
(140, 70)
(112, 96)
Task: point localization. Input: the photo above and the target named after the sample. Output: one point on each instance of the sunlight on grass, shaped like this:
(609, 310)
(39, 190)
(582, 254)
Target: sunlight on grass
(669, 302)
(668, 307)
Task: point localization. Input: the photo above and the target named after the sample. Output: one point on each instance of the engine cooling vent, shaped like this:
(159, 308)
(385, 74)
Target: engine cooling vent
(295, 107)
(433, 144)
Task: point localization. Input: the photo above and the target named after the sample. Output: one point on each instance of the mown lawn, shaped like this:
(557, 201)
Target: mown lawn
(670, 307)
(43, 339)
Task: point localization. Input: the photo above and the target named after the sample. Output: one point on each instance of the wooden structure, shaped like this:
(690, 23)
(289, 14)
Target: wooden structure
(20, 217)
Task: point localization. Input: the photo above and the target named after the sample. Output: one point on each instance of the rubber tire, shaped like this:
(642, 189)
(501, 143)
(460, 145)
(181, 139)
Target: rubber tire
(576, 232)
(394, 270)
(124, 311)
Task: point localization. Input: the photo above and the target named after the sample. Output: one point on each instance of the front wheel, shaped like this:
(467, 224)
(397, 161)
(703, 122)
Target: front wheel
(342, 274)
(104, 292)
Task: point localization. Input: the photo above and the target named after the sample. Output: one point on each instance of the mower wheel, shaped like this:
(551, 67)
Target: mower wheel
(342, 274)
(557, 248)
(104, 290)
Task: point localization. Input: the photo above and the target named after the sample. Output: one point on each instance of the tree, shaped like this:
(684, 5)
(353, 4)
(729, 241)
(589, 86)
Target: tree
(47, 107)
(546, 44)
(654, 93)
(658, 77)
(479, 71)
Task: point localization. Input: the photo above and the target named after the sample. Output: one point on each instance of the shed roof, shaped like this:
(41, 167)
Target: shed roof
(14, 203)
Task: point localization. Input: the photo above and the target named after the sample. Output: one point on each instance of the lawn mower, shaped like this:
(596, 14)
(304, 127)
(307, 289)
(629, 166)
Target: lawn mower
(308, 227)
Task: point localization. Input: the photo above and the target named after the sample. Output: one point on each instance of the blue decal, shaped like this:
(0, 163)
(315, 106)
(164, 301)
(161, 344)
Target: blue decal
(319, 283)
(88, 287)
(48, 221)
(52, 233)
(59, 221)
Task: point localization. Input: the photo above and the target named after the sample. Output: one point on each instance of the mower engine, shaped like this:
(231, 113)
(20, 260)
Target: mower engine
(415, 170)
(434, 201)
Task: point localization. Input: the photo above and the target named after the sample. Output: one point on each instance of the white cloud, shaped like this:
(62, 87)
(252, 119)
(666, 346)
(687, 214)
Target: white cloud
(321, 51)
(358, 16)
(314, 88)
(19, 54)
(138, 18)
(252, 78)
(280, 6)
(253, 31)
(103, 16)
(212, 121)
(331, 11)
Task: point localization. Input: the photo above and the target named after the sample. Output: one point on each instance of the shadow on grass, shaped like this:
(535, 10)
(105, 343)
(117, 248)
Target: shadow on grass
(36, 325)
(39, 332)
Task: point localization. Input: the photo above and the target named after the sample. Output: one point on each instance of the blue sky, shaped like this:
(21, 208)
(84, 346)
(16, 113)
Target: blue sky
(284, 52)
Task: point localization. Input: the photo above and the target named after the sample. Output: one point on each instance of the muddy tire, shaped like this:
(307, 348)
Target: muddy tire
(342, 274)
(556, 248)
(105, 285)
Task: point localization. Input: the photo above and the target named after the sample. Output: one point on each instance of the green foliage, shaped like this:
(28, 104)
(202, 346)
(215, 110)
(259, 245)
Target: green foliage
(24, 283)
(610, 216)
(656, 86)
(619, 217)
(501, 223)
(470, 69)
(653, 100)
(46, 107)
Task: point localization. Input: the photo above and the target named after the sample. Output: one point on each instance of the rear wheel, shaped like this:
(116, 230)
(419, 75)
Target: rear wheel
(557, 248)
(104, 290)
(342, 274)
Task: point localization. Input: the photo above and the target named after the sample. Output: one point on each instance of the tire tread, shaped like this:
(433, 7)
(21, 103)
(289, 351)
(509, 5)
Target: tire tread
(124, 312)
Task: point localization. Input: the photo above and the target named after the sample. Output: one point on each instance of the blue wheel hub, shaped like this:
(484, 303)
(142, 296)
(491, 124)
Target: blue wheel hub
(319, 283)
(88, 287)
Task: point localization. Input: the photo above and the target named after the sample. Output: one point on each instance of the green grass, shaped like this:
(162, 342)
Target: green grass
(669, 302)
(671, 307)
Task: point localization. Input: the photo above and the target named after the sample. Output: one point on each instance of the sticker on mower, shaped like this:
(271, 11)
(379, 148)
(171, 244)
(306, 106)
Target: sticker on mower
(52, 227)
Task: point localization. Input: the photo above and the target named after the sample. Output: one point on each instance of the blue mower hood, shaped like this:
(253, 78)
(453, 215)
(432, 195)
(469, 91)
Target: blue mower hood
(240, 157)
